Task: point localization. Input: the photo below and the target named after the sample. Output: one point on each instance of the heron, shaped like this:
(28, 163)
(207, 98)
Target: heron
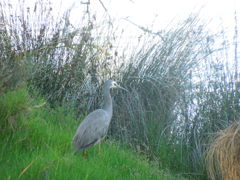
(93, 129)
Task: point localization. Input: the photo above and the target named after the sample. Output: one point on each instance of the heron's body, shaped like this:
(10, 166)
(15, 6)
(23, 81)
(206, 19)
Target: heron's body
(90, 130)
(95, 125)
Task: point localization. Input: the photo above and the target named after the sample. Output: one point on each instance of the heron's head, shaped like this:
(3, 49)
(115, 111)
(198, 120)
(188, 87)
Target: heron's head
(112, 84)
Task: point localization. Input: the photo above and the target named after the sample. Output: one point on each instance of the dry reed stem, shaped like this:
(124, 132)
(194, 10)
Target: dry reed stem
(26, 168)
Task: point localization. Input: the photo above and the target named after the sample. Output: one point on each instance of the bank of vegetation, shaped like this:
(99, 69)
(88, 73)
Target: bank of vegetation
(183, 83)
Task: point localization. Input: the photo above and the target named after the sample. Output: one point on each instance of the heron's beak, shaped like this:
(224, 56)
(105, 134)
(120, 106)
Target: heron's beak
(121, 87)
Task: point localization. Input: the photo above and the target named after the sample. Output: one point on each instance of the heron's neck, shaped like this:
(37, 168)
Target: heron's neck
(107, 106)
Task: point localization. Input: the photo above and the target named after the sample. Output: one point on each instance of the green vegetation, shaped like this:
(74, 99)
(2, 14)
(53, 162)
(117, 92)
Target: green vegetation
(36, 144)
(183, 87)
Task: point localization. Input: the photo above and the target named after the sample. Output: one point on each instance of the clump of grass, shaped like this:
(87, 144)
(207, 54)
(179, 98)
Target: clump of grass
(12, 104)
(223, 154)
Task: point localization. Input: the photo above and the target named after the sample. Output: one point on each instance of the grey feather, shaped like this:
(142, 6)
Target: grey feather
(93, 128)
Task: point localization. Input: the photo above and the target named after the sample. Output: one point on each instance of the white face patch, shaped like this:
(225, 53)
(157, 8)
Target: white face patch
(114, 84)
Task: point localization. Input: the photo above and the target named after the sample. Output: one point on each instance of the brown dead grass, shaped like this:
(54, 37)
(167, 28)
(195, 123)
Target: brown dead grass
(223, 154)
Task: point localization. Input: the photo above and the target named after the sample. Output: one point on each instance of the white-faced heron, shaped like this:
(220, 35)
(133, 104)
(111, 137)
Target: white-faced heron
(95, 125)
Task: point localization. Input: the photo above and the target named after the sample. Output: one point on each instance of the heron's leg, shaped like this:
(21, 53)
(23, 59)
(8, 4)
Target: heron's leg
(99, 146)
(84, 154)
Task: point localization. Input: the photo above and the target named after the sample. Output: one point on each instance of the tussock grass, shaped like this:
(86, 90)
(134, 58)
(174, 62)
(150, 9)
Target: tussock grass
(40, 147)
(12, 105)
(223, 154)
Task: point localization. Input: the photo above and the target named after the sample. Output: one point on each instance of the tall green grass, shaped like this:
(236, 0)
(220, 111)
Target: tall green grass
(39, 146)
